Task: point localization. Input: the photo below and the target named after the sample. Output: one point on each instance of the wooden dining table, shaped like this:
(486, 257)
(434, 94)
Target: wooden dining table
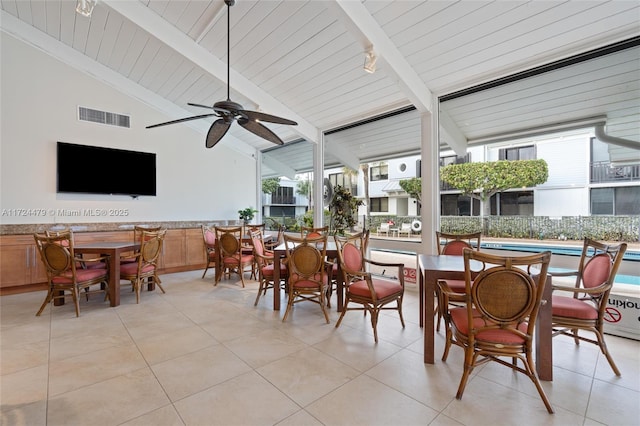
(113, 249)
(435, 267)
(331, 252)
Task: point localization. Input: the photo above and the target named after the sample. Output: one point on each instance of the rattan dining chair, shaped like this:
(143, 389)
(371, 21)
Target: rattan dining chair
(450, 244)
(373, 294)
(232, 259)
(64, 273)
(308, 277)
(210, 252)
(264, 260)
(145, 269)
(500, 313)
(584, 304)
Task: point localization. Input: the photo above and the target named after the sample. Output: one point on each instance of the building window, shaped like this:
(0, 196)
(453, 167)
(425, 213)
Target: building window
(621, 201)
(380, 172)
(282, 211)
(517, 203)
(455, 159)
(348, 182)
(518, 153)
(458, 205)
(379, 205)
(283, 195)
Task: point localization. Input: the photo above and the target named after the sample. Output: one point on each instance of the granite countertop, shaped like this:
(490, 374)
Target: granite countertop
(31, 228)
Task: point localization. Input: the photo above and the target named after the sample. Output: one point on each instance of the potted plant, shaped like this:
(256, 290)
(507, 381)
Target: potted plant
(344, 210)
(247, 214)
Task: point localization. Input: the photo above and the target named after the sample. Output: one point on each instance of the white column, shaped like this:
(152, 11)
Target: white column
(430, 214)
(318, 181)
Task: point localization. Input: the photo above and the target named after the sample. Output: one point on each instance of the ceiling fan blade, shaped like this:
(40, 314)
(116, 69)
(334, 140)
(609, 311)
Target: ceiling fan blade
(195, 117)
(200, 105)
(255, 115)
(216, 132)
(260, 130)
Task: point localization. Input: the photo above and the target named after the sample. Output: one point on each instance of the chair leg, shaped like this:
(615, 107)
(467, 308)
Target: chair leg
(106, 292)
(47, 299)
(76, 300)
(374, 323)
(322, 305)
(399, 301)
(262, 289)
(289, 307)
(205, 271)
(344, 311)
(531, 372)
(605, 352)
(469, 358)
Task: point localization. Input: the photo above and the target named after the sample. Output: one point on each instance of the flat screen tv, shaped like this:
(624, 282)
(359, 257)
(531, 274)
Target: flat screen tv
(98, 170)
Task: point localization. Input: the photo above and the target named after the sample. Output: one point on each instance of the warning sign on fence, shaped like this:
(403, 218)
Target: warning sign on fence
(410, 275)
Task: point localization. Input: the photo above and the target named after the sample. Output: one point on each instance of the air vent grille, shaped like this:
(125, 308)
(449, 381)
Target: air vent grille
(103, 117)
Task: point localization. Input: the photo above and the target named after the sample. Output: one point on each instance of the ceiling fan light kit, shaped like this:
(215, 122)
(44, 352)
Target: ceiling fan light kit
(85, 7)
(370, 60)
(229, 111)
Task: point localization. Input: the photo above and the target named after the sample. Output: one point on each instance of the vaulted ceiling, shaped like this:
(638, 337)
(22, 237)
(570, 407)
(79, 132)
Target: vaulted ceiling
(304, 60)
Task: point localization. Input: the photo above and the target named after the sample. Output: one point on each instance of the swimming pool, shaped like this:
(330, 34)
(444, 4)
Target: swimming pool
(633, 256)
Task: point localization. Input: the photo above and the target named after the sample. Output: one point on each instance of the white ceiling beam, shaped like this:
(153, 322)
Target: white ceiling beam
(279, 167)
(157, 27)
(359, 22)
(346, 156)
(451, 134)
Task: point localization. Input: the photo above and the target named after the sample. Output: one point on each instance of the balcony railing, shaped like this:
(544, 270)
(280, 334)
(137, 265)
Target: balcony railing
(603, 171)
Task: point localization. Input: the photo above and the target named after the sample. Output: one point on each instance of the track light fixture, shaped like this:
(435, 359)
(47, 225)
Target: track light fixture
(370, 61)
(85, 7)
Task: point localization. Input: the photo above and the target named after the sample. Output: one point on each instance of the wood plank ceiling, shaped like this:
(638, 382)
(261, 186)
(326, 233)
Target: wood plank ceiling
(303, 60)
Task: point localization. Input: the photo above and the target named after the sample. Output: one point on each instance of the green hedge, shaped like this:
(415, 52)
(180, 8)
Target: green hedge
(604, 228)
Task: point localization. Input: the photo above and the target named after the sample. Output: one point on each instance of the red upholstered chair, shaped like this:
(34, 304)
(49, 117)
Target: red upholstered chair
(264, 261)
(307, 232)
(500, 312)
(137, 232)
(231, 259)
(80, 263)
(210, 252)
(145, 268)
(308, 279)
(584, 306)
(63, 273)
(361, 288)
(453, 245)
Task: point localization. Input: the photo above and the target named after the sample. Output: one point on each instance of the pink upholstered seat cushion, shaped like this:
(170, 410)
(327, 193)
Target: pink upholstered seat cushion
(569, 307)
(245, 258)
(459, 318)
(382, 288)
(304, 283)
(213, 255)
(81, 275)
(132, 268)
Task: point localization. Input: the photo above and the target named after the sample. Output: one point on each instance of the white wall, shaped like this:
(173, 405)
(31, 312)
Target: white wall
(561, 202)
(39, 101)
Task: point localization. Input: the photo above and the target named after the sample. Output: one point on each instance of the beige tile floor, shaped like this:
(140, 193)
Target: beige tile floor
(204, 355)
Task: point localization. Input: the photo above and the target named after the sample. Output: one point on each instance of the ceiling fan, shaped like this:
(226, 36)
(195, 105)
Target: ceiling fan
(230, 111)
